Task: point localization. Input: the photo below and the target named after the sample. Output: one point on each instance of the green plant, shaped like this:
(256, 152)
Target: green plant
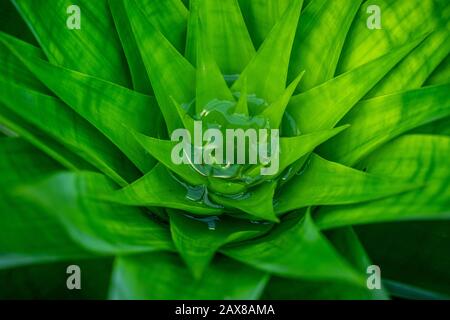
(364, 147)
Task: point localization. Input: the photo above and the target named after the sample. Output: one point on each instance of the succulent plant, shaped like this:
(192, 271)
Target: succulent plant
(88, 113)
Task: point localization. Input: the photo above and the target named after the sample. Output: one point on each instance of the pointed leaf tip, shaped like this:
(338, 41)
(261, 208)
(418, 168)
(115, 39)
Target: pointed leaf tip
(274, 113)
(169, 72)
(210, 83)
(267, 71)
(242, 104)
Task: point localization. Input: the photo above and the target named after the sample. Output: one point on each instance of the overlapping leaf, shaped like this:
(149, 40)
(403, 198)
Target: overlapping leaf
(102, 55)
(168, 278)
(324, 183)
(378, 120)
(306, 254)
(100, 102)
(426, 165)
(197, 239)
